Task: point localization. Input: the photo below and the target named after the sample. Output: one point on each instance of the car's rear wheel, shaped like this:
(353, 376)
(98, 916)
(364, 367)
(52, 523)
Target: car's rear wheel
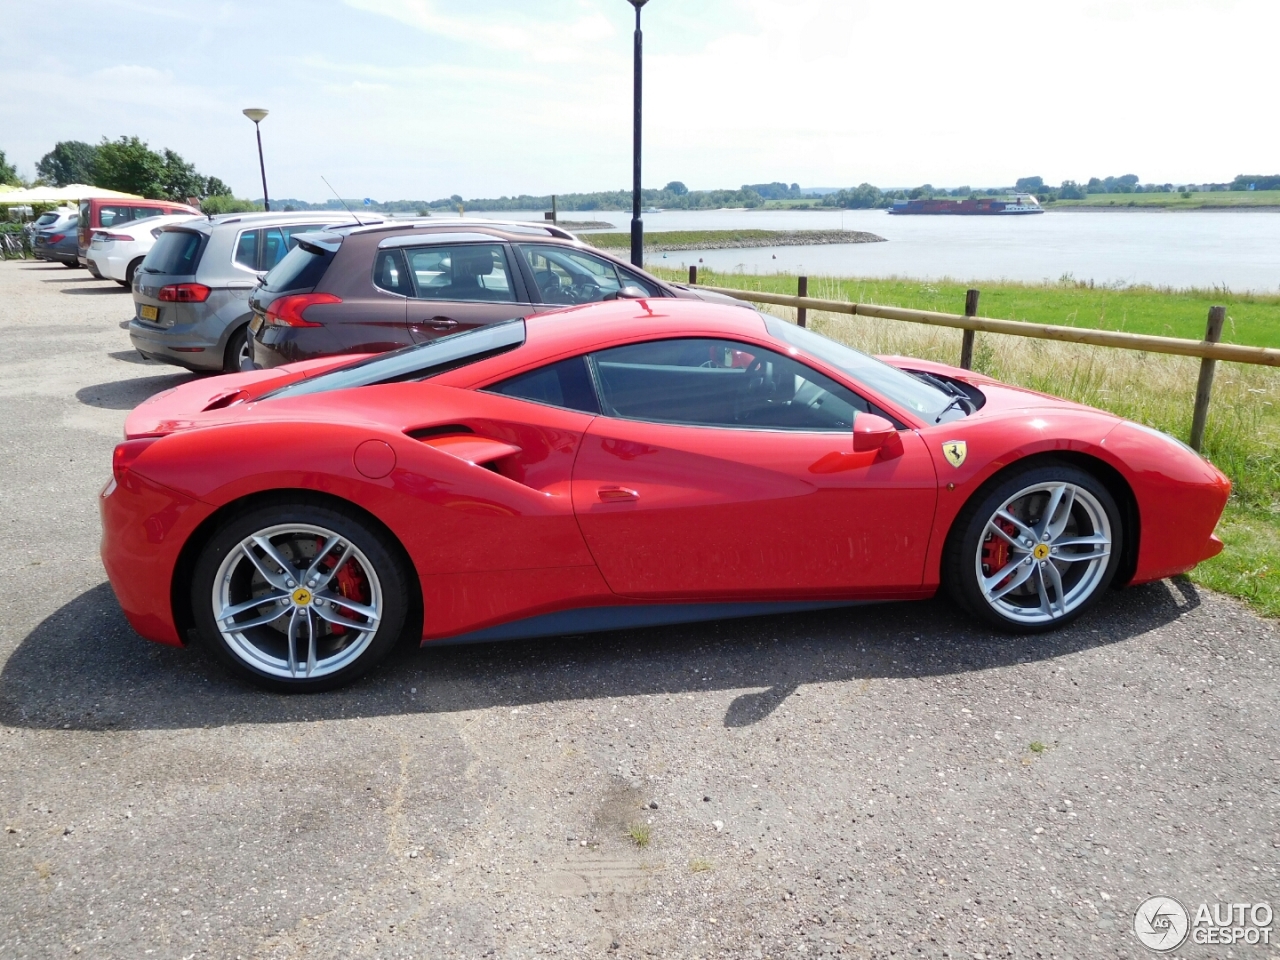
(1037, 550)
(239, 354)
(299, 598)
(129, 272)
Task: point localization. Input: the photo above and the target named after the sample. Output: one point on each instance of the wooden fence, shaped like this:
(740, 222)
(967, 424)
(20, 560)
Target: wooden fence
(1209, 350)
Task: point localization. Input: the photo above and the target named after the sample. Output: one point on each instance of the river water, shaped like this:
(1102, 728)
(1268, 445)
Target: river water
(1236, 249)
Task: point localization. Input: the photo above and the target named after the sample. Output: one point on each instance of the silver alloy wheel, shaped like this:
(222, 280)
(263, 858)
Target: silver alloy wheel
(1043, 552)
(297, 601)
(244, 360)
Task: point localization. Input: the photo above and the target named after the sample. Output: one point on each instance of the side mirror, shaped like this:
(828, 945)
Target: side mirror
(876, 433)
(627, 293)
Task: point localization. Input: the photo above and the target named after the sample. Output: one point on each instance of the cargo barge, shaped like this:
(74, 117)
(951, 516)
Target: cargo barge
(984, 207)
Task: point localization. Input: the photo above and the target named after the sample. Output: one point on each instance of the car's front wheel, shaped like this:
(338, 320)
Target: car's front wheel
(301, 597)
(1037, 550)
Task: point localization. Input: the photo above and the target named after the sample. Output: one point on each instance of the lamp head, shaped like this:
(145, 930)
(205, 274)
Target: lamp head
(637, 3)
(256, 114)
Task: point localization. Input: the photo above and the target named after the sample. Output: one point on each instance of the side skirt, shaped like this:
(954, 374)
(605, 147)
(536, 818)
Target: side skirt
(596, 619)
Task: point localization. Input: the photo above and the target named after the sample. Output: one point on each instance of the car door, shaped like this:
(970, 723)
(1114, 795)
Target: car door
(460, 286)
(723, 469)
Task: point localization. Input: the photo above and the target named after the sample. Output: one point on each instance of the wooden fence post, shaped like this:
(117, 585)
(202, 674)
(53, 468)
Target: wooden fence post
(966, 341)
(1212, 334)
(693, 274)
(802, 313)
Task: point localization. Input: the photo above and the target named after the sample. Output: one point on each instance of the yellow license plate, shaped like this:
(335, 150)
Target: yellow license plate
(149, 313)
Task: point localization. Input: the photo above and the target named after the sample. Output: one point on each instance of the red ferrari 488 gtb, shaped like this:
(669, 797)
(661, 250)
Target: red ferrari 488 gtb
(621, 464)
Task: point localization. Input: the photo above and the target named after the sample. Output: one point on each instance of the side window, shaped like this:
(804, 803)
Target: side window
(273, 247)
(111, 216)
(474, 271)
(247, 249)
(629, 279)
(721, 383)
(568, 276)
(563, 384)
(389, 273)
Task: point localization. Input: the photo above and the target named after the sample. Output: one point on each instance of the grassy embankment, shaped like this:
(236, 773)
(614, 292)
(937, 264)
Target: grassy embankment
(1216, 200)
(1224, 200)
(664, 240)
(1243, 434)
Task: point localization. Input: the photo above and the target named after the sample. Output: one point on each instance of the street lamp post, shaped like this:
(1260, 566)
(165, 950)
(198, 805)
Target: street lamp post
(637, 224)
(257, 115)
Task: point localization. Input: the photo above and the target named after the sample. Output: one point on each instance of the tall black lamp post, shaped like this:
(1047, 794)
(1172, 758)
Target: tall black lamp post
(637, 224)
(257, 115)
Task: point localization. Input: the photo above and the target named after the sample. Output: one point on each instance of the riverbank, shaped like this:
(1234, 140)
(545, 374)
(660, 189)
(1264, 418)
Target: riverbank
(676, 240)
(1243, 435)
(1215, 200)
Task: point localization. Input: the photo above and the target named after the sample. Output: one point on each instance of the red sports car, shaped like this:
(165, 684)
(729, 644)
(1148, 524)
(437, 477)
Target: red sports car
(627, 463)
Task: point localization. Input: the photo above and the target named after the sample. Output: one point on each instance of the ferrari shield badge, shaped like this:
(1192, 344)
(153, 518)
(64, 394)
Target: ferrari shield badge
(955, 451)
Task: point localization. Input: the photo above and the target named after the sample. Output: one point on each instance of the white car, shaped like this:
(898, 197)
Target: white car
(117, 252)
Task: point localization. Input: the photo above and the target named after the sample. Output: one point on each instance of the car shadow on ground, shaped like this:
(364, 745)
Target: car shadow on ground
(84, 668)
(127, 394)
(133, 356)
(115, 288)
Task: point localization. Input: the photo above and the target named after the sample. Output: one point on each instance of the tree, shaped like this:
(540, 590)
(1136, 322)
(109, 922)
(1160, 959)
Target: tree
(213, 187)
(129, 165)
(1029, 184)
(1070, 190)
(179, 179)
(676, 187)
(70, 161)
(7, 173)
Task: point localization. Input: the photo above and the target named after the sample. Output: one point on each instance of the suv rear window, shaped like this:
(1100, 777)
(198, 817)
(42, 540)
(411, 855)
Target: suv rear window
(301, 269)
(177, 252)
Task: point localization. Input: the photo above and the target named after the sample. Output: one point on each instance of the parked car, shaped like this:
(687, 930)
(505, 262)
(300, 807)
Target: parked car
(95, 214)
(116, 254)
(191, 292)
(56, 241)
(367, 289)
(622, 464)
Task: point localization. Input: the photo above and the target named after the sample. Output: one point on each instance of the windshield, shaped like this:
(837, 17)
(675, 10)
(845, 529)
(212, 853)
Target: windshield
(417, 362)
(908, 392)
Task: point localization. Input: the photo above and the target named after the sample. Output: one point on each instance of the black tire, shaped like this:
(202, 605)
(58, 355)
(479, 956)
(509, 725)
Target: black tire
(255, 653)
(130, 271)
(238, 356)
(973, 549)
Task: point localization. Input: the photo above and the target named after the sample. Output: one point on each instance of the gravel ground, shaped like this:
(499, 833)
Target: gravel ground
(858, 784)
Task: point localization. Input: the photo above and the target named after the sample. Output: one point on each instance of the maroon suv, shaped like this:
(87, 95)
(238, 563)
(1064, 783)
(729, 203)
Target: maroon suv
(368, 289)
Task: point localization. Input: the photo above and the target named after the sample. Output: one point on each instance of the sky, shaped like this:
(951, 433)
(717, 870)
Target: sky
(419, 99)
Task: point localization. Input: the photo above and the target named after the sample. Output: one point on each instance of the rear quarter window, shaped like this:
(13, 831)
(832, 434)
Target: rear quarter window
(301, 269)
(176, 253)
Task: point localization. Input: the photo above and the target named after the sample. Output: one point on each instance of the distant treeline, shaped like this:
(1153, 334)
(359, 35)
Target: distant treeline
(676, 196)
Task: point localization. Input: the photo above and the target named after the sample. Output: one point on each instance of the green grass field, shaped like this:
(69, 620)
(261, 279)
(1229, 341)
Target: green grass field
(1243, 433)
(1252, 319)
(1226, 200)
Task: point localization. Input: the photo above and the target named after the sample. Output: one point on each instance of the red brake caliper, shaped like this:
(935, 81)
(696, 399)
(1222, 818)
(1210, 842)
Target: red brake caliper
(352, 584)
(995, 550)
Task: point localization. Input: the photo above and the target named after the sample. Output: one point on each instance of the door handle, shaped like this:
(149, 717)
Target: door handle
(439, 323)
(616, 494)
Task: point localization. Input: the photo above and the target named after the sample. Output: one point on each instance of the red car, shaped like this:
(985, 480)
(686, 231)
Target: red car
(626, 463)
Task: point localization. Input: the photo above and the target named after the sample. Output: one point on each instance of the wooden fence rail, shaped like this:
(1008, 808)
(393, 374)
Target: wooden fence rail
(1208, 350)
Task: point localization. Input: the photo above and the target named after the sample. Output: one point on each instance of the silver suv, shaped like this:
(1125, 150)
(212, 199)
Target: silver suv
(191, 293)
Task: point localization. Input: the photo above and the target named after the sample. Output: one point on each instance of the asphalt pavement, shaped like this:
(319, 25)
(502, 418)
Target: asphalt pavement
(886, 781)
